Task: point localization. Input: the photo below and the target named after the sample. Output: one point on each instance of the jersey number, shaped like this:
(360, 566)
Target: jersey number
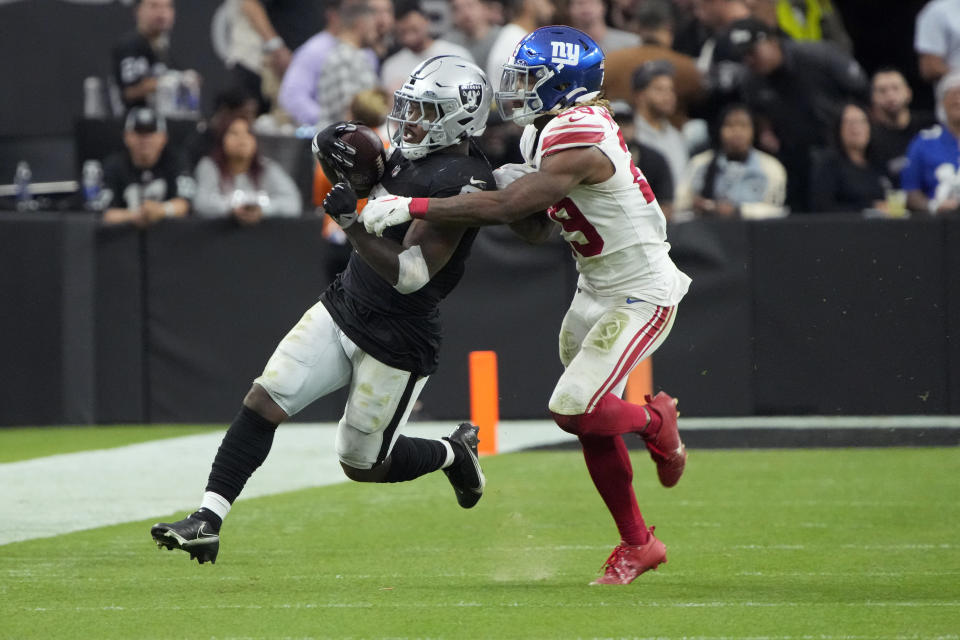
(572, 220)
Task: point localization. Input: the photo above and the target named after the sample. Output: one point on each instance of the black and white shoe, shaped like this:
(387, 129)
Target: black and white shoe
(465, 475)
(195, 535)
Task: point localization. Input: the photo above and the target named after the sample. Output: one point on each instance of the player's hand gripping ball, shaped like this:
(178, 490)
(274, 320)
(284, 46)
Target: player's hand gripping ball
(353, 153)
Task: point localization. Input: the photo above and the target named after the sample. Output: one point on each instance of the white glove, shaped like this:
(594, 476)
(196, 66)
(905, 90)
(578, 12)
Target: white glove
(384, 212)
(508, 173)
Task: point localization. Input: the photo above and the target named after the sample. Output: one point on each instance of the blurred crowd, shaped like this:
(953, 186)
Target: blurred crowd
(732, 108)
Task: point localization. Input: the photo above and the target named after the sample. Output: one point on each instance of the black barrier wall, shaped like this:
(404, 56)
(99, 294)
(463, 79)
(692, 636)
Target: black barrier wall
(798, 316)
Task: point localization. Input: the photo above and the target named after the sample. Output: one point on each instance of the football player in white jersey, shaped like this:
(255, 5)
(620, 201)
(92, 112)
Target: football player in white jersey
(579, 174)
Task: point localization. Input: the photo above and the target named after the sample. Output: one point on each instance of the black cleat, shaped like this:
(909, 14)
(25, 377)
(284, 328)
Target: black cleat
(193, 534)
(466, 476)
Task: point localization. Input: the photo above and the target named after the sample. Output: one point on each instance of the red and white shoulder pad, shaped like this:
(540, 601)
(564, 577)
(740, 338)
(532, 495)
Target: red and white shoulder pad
(576, 127)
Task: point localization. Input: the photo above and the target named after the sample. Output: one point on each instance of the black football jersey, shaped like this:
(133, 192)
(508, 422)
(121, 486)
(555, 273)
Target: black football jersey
(134, 59)
(127, 187)
(403, 330)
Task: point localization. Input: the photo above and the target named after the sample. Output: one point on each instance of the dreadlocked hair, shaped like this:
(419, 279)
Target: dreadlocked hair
(597, 101)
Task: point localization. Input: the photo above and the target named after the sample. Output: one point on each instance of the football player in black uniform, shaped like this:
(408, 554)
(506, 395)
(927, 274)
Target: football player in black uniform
(377, 327)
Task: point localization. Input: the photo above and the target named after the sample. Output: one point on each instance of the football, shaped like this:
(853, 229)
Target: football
(369, 161)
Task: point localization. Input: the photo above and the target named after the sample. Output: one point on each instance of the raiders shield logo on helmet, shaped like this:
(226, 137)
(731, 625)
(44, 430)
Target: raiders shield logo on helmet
(470, 96)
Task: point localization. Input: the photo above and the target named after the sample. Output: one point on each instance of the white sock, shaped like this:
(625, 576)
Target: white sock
(450, 456)
(216, 503)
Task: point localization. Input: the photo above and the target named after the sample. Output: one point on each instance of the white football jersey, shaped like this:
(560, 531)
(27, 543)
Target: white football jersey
(616, 229)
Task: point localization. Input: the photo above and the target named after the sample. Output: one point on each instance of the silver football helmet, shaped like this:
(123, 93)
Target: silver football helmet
(445, 96)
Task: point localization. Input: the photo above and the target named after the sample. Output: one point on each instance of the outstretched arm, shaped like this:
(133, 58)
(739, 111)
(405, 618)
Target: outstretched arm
(407, 266)
(558, 175)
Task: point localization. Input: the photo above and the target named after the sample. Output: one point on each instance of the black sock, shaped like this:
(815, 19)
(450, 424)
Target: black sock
(209, 516)
(414, 457)
(243, 449)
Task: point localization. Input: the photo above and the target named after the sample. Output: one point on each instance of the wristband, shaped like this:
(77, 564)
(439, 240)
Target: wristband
(168, 211)
(273, 44)
(418, 207)
(932, 206)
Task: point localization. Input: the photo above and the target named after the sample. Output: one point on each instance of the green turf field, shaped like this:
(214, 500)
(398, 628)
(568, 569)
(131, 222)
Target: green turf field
(23, 443)
(821, 545)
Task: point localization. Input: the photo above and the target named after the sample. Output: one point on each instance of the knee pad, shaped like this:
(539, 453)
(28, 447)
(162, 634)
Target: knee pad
(356, 448)
(569, 399)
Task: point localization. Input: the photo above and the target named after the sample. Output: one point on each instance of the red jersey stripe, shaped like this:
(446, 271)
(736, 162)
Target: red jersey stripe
(574, 137)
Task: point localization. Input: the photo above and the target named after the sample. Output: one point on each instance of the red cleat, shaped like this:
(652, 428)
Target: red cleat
(627, 562)
(665, 446)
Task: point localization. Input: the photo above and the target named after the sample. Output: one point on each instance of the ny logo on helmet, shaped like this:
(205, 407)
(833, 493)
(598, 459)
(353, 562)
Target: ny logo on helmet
(565, 53)
(470, 96)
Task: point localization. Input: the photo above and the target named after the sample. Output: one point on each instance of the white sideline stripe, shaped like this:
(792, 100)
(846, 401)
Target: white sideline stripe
(500, 605)
(821, 422)
(48, 496)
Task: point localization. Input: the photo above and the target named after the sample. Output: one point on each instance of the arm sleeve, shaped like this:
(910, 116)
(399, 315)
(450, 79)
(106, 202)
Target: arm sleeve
(298, 89)
(208, 201)
(285, 198)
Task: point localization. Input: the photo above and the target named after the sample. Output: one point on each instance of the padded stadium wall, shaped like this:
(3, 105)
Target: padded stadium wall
(824, 316)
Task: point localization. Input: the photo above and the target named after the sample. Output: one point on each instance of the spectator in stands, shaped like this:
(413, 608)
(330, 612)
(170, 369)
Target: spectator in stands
(331, 68)
(623, 15)
(475, 30)
(235, 180)
(650, 161)
(143, 55)
(148, 181)
(704, 38)
(796, 91)
(383, 18)
(654, 103)
(815, 20)
(932, 174)
(228, 104)
(525, 16)
(893, 122)
(413, 34)
(655, 20)
(844, 181)
(590, 17)
(937, 39)
(712, 18)
(257, 56)
(734, 180)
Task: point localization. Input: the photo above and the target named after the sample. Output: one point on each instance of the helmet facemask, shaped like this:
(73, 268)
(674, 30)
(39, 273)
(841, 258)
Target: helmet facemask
(445, 101)
(518, 98)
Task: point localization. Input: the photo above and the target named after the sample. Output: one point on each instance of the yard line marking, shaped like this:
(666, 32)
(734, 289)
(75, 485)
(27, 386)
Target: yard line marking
(462, 603)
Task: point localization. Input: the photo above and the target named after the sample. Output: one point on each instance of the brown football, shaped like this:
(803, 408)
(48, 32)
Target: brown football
(369, 161)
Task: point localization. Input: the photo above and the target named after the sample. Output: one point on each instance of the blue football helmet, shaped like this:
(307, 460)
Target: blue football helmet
(551, 69)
